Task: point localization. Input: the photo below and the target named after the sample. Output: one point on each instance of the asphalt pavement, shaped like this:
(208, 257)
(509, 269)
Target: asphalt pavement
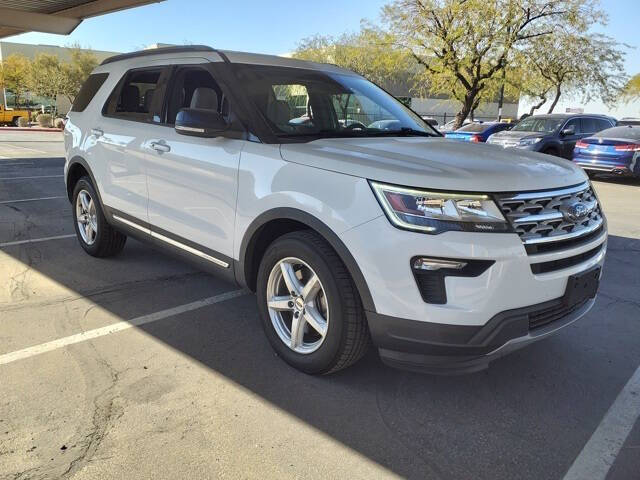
(140, 366)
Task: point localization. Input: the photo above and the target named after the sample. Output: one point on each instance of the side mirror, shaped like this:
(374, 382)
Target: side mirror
(568, 131)
(200, 122)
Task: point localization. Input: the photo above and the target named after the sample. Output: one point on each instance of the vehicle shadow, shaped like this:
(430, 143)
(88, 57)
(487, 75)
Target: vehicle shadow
(527, 416)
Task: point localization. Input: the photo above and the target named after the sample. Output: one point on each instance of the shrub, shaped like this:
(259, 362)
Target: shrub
(45, 120)
(58, 123)
(23, 122)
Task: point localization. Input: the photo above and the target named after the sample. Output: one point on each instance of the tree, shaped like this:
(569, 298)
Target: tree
(76, 71)
(370, 53)
(632, 88)
(590, 65)
(46, 76)
(464, 45)
(13, 75)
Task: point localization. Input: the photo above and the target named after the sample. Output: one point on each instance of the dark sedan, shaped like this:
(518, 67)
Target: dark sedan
(478, 132)
(614, 150)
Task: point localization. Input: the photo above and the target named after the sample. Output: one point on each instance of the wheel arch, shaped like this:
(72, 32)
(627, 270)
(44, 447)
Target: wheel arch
(276, 222)
(78, 167)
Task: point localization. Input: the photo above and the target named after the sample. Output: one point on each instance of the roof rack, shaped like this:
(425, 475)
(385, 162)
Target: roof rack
(158, 51)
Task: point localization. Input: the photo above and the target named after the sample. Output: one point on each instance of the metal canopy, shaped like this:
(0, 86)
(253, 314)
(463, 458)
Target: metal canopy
(55, 16)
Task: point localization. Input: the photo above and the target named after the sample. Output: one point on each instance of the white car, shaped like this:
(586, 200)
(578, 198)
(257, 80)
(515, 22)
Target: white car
(444, 255)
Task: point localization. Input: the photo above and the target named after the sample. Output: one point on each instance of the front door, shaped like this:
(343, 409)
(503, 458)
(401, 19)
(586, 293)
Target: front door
(192, 181)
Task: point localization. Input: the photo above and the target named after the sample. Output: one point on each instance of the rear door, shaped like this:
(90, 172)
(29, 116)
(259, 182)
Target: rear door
(119, 135)
(192, 181)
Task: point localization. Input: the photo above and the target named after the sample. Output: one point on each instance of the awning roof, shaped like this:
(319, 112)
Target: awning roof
(55, 16)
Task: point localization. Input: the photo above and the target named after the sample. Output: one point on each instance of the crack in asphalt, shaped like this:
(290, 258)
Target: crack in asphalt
(92, 294)
(105, 414)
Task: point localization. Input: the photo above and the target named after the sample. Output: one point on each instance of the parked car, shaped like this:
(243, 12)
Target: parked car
(477, 132)
(348, 235)
(629, 121)
(555, 134)
(614, 150)
(430, 120)
(12, 116)
(450, 125)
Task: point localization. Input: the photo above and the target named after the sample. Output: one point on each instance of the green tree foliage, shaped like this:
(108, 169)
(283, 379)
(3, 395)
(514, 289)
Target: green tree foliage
(590, 65)
(46, 76)
(77, 70)
(13, 72)
(464, 45)
(370, 53)
(632, 88)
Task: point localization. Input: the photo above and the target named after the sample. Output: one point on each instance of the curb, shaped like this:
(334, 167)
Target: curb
(29, 129)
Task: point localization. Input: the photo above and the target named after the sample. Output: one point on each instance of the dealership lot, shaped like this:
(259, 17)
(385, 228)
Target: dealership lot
(142, 364)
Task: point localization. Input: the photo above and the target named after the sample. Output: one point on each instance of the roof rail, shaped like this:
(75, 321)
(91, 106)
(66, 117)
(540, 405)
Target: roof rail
(158, 51)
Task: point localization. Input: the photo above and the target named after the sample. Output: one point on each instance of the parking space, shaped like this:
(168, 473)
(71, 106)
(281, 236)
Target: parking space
(140, 363)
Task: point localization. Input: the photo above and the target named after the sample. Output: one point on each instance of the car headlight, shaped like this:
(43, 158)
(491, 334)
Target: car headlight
(525, 142)
(437, 212)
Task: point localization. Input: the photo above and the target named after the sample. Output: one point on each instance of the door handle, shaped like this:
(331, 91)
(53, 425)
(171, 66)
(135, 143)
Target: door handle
(160, 147)
(97, 132)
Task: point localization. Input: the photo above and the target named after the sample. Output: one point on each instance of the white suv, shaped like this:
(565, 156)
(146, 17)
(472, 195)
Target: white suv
(352, 219)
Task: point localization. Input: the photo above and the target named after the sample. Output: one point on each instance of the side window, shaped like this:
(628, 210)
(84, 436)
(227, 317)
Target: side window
(590, 125)
(137, 96)
(602, 124)
(194, 87)
(575, 123)
(88, 91)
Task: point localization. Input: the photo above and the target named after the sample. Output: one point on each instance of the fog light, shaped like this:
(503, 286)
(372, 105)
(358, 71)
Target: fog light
(432, 264)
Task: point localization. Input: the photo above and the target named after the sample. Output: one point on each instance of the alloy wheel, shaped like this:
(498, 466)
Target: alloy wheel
(86, 217)
(297, 305)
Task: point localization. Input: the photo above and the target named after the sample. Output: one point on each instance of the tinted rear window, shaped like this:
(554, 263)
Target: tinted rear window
(631, 133)
(88, 91)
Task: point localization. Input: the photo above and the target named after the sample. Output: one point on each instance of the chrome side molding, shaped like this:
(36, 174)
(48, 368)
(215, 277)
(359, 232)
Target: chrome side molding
(170, 241)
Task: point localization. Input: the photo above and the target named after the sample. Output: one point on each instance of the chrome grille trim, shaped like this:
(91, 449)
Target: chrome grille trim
(537, 216)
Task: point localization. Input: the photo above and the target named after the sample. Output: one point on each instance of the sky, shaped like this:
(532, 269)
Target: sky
(276, 27)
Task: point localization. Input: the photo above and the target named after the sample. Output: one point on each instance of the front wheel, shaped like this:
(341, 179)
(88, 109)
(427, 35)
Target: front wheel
(309, 306)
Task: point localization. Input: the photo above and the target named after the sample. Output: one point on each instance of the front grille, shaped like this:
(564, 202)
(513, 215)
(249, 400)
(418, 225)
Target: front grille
(549, 314)
(541, 217)
(553, 265)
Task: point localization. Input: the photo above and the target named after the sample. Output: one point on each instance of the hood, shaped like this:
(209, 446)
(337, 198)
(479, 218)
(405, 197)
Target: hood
(436, 163)
(515, 136)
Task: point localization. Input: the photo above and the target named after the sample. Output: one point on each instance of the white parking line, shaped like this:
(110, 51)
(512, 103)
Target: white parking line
(35, 240)
(601, 450)
(30, 199)
(10, 144)
(29, 178)
(116, 327)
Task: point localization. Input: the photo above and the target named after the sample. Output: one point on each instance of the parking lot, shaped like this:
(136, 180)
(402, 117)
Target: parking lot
(139, 363)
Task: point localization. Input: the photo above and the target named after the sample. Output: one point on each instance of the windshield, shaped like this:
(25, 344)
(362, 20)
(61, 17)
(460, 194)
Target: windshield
(538, 124)
(308, 103)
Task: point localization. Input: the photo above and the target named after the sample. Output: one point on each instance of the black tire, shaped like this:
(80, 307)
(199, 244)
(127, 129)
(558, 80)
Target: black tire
(16, 122)
(347, 338)
(108, 241)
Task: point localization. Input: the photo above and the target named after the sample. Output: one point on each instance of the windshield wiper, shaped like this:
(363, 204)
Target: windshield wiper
(406, 131)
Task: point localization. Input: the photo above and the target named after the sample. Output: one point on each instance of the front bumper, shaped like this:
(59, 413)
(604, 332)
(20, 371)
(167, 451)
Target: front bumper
(484, 316)
(450, 350)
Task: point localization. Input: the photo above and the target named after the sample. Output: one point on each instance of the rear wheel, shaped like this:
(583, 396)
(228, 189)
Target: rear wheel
(16, 122)
(310, 309)
(96, 236)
